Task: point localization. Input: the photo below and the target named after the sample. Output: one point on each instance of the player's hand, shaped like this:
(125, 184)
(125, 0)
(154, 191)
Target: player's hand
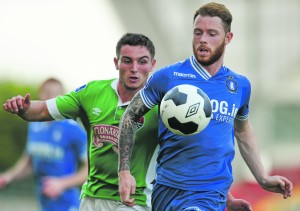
(4, 180)
(238, 205)
(278, 184)
(17, 104)
(52, 187)
(127, 185)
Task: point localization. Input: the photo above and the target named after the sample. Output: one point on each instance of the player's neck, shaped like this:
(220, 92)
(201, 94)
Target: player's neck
(126, 94)
(214, 68)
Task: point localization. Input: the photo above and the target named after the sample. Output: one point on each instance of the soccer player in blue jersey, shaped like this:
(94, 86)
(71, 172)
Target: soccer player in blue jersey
(53, 151)
(194, 172)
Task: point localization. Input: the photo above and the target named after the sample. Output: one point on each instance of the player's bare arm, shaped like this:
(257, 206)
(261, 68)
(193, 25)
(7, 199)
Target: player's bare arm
(247, 143)
(27, 109)
(127, 183)
(135, 110)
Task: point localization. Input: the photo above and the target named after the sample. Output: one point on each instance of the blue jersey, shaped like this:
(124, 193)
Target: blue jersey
(55, 149)
(200, 162)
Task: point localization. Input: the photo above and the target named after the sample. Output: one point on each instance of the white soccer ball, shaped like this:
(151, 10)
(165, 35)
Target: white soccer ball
(185, 110)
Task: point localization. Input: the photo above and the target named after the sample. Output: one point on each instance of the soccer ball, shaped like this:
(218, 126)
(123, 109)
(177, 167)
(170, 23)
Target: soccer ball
(185, 110)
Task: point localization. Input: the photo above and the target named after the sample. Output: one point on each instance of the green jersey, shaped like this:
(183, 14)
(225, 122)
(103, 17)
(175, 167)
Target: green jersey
(100, 108)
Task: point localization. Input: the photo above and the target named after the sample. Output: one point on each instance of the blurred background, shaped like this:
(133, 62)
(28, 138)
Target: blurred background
(74, 40)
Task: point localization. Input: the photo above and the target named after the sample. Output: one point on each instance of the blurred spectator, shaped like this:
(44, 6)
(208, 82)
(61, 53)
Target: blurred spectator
(53, 152)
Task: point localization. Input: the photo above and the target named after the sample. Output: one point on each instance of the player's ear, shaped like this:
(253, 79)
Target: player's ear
(116, 60)
(228, 37)
(153, 62)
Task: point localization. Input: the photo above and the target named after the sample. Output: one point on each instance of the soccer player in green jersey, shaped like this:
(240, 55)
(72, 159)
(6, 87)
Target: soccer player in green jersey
(100, 104)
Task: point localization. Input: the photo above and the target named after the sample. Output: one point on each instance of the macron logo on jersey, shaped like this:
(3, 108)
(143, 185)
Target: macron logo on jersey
(185, 75)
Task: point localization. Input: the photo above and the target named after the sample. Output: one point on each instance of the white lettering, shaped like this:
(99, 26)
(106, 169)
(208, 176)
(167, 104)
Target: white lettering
(222, 111)
(223, 107)
(185, 75)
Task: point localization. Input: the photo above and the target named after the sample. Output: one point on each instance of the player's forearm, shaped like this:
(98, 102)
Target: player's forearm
(126, 141)
(248, 148)
(37, 111)
(229, 197)
(252, 158)
(128, 126)
(229, 200)
(234, 204)
(21, 169)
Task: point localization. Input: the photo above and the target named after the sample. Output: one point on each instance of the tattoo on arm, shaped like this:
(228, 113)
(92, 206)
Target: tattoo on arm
(127, 129)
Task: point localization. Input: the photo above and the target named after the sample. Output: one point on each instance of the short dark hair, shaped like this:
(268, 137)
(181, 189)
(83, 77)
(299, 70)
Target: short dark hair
(216, 10)
(134, 39)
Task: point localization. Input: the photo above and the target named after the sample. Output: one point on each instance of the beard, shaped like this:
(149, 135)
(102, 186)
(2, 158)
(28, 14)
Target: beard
(215, 55)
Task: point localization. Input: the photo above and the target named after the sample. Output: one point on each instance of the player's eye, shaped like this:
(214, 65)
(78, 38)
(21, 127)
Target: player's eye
(126, 60)
(197, 33)
(143, 61)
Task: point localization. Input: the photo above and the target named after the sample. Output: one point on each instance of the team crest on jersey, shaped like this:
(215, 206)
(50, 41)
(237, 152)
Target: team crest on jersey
(231, 84)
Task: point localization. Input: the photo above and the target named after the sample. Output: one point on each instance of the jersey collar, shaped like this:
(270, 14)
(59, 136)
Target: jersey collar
(202, 71)
(199, 68)
(114, 85)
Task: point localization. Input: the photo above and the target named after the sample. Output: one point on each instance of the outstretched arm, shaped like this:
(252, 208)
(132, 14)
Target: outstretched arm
(135, 110)
(246, 139)
(27, 109)
(20, 170)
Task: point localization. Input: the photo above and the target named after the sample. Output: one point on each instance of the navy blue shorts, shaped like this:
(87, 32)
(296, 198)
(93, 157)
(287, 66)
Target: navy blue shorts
(171, 199)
